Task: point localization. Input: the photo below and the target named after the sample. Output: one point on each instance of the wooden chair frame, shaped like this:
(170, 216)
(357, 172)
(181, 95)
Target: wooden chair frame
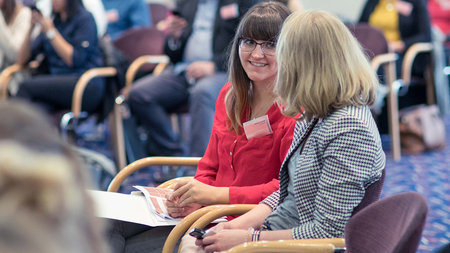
(117, 127)
(203, 217)
(408, 60)
(77, 97)
(151, 161)
(387, 61)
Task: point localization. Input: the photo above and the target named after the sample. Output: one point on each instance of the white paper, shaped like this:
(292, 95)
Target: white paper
(126, 207)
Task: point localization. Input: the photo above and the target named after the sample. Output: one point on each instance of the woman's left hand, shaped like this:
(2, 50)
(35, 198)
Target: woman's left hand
(224, 240)
(194, 191)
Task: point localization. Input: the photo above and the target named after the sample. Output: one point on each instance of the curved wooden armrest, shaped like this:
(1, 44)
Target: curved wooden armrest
(83, 81)
(150, 161)
(170, 184)
(410, 55)
(282, 246)
(237, 209)
(382, 59)
(5, 77)
(161, 60)
(182, 227)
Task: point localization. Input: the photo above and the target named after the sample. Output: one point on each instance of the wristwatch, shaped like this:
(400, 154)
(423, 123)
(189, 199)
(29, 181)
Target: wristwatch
(50, 34)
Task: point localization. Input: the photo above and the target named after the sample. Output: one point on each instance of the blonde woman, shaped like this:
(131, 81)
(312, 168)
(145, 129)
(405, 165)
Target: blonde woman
(336, 152)
(44, 207)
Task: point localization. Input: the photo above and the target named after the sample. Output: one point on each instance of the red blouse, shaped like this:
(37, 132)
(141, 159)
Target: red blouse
(440, 17)
(249, 168)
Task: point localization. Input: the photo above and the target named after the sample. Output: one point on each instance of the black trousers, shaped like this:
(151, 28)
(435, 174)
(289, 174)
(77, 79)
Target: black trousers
(54, 92)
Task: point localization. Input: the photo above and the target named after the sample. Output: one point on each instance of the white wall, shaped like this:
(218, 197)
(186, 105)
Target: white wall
(346, 10)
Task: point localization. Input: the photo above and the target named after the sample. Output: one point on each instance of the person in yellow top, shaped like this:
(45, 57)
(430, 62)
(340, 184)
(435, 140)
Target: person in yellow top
(404, 22)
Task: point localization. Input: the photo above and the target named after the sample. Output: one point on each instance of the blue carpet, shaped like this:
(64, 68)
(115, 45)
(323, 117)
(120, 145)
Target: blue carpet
(428, 174)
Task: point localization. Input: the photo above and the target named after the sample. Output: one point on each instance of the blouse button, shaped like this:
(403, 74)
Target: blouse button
(231, 153)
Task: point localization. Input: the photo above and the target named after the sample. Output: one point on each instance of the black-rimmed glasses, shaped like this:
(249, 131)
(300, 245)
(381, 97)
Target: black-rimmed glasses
(267, 47)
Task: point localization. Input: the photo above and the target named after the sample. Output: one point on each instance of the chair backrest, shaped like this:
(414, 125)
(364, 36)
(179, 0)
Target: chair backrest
(372, 193)
(158, 12)
(141, 41)
(390, 225)
(371, 39)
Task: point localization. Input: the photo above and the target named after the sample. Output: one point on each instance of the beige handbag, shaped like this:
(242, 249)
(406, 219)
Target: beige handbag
(421, 129)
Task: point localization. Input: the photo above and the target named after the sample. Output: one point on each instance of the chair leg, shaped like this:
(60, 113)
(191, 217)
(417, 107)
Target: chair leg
(117, 137)
(393, 118)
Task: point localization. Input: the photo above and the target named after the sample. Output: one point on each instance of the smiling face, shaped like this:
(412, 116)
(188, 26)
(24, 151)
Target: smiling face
(259, 67)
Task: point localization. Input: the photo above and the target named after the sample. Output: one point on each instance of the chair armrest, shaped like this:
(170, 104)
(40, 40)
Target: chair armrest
(83, 81)
(150, 161)
(161, 60)
(170, 184)
(410, 55)
(5, 77)
(282, 246)
(237, 209)
(382, 59)
(182, 227)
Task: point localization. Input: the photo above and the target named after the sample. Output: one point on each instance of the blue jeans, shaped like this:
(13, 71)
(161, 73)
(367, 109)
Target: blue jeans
(152, 97)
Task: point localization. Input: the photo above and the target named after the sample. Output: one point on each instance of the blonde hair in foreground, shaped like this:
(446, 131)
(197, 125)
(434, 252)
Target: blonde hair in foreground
(43, 204)
(321, 66)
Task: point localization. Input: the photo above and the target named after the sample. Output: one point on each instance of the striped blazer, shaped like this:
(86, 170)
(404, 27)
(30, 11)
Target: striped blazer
(340, 159)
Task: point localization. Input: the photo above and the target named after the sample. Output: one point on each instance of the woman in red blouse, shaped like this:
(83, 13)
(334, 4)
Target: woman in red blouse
(250, 136)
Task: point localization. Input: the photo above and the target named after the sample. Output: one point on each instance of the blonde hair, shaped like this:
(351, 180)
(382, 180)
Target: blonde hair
(321, 66)
(44, 206)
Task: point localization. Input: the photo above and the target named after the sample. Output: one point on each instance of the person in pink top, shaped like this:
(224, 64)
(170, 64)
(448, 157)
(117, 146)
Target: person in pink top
(250, 136)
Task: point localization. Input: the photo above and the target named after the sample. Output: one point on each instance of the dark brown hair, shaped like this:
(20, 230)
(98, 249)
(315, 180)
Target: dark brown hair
(8, 9)
(262, 22)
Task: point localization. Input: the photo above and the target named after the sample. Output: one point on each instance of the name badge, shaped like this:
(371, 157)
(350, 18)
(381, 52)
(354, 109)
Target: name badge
(229, 11)
(257, 127)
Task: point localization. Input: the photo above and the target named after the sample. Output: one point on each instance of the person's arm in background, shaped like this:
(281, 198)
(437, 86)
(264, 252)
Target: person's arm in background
(63, 48)
(176, 35)
(95, 7)
(11, 40)
(28, 47)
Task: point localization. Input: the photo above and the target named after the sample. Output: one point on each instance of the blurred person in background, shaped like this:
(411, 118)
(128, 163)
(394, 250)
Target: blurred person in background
(44, 206)
(69, 43)
(95, 7)
(15, 20)
(404, 22)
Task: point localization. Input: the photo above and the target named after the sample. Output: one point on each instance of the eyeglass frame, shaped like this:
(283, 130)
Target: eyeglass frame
(262, 45)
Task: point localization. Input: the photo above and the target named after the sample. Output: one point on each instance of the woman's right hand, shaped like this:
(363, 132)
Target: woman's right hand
(36, 18)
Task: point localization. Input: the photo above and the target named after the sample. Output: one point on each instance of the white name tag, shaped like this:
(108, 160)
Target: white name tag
(257, 127)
